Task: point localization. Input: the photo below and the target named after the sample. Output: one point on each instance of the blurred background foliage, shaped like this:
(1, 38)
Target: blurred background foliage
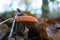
(39, 9)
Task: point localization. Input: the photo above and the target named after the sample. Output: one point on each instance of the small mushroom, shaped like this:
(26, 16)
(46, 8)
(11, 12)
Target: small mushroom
(22, 22)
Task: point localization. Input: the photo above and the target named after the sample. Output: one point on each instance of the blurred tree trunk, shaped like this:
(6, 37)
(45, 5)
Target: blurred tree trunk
(45, 8)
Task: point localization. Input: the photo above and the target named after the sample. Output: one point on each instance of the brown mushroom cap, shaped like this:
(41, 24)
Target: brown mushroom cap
(26, 19)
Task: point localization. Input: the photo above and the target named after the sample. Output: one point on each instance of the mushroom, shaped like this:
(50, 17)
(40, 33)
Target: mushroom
(23, 24)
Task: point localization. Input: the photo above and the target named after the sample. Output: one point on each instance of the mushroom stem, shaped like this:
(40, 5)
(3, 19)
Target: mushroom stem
(25, 32)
